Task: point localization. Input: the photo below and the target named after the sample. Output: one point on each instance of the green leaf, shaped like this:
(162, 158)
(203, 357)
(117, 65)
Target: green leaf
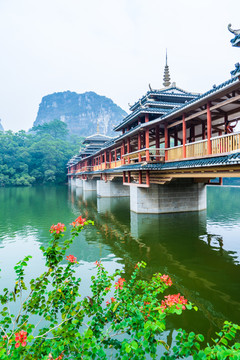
(200, 337)
(134, 345)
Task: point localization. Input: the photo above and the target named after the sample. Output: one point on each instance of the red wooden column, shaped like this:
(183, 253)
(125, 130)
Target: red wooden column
(115, 155)
(166, 140)
(139, 146)
(124, 177)
(128, 149)
(147, 178)
(105, 159)
(139, 143)
(147, 138)
(110, 158)
(129, 177)
(157, 141)
(123, 152)
(184, 132)
(209, 129)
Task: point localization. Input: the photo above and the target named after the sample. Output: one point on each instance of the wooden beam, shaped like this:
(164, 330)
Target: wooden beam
(199, 113)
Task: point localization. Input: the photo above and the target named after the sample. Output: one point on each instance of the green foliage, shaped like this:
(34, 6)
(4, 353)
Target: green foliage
(38, 157)
(128, 325)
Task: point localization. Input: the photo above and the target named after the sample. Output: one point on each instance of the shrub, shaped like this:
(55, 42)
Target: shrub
(118, 319)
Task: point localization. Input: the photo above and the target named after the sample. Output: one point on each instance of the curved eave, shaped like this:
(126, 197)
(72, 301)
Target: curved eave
(141, 111)
(165, 93)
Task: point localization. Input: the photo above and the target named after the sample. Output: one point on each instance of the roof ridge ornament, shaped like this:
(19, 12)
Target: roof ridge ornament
(235, 32)
(236, 40)
(166, 76)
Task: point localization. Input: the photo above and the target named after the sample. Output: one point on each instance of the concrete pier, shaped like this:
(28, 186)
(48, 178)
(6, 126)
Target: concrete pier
(179, 196)
(79, 182)
(112, 189)
(89, 185)
(72, 182)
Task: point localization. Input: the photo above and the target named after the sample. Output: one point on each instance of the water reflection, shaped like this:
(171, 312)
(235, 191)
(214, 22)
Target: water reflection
(185, 245)
(201, 251)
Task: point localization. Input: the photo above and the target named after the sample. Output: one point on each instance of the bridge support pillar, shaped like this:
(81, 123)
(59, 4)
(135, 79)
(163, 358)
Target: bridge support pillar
(112, 189)
(89, 185)
(79, 182)
(72, 181)
(179, 196)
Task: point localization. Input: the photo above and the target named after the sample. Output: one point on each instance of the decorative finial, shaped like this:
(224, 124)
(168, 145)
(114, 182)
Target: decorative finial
(235, 32)
(166, 76)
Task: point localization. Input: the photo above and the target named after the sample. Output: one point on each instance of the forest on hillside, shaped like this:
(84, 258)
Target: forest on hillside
(37, 157)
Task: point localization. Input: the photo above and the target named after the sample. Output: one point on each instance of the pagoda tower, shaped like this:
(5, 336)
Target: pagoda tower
(166, 76)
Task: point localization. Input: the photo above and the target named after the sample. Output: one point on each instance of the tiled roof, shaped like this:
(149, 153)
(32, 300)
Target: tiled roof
(142, 110)
(199, 98)
(97, 137)
(169, 92)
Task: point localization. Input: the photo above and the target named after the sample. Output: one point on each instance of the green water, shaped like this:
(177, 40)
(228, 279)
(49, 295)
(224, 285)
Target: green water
(200, 251)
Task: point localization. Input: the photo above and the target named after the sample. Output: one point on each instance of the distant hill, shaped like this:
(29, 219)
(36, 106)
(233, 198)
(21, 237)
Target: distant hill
(81, 112)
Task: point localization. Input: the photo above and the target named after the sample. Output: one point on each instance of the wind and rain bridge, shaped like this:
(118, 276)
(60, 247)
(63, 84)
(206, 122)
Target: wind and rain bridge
(171, 145)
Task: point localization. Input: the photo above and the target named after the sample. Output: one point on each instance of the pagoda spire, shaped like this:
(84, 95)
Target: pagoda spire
(166, 76)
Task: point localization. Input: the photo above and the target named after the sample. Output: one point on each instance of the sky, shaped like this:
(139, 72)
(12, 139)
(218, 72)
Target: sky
(113, 47)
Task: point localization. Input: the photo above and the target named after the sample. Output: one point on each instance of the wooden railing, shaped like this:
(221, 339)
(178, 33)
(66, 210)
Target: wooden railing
(196, 149)
(220, 145)
(154, 154)
(226, 143)
(175, 153)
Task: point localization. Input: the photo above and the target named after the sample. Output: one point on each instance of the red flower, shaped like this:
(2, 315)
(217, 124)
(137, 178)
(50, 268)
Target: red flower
(20, 338)
(57, 228)
(119, 284)
(78, 222)
(171, 300)
(137, 266)
(71, 258)
(112, 300)
(107, 288)
(97, 263)
(166, 279)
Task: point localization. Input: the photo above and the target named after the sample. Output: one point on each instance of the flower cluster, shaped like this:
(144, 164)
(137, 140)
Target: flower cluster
(21, 338)
(166, 279)
(119, 284)
(171, 300)
(112, 300)
(57, 228)
(97, 263)
(71, 258)
(78, 222)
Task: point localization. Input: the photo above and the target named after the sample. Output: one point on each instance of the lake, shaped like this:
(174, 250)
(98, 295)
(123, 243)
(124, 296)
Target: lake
(200, 250)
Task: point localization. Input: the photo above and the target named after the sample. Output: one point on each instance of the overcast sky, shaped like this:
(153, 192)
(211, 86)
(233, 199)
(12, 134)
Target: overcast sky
(113, 47)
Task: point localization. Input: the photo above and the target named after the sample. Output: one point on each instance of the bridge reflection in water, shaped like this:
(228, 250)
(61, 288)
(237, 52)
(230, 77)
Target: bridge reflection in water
(199, 251)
